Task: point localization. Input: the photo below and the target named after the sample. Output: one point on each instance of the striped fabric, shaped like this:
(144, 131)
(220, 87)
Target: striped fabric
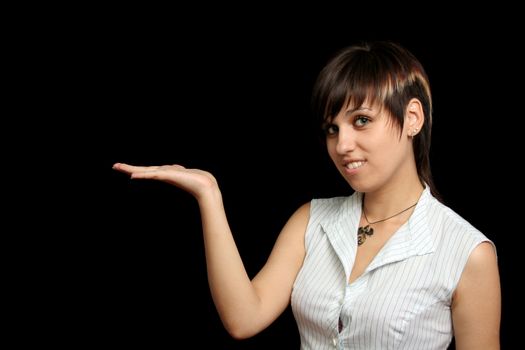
(402, 300)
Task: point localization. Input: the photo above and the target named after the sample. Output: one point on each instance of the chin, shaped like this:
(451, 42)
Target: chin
(362, 186)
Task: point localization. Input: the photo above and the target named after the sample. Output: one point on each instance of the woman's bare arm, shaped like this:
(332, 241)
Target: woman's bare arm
(246, 307)
(476, 305)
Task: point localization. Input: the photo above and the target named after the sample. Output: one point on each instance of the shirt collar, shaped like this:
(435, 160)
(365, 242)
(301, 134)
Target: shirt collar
(412, 239)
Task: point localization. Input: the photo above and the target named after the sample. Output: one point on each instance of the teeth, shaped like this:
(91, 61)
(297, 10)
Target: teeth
(354, 165)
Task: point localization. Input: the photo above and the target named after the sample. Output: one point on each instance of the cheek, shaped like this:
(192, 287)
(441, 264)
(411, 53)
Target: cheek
(391, 150)
(330, 148)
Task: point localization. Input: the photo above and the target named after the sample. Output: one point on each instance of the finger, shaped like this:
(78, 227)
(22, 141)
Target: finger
(145, 175)
(152, 174)
(171, 167)
(126, 168)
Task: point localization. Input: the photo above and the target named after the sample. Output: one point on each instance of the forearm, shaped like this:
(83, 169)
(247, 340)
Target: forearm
(233, 293)
(231, 288)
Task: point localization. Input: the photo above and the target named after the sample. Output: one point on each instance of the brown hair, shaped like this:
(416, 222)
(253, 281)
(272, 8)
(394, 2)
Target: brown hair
(383, 73)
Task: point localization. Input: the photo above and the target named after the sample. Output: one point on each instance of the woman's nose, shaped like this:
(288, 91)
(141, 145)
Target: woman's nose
(345, 142)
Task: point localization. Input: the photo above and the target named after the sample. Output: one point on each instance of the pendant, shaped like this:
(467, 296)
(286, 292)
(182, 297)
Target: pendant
(362, 232)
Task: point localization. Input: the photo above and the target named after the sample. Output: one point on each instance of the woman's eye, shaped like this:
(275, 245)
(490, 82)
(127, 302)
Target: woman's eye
(361, 120)
(331, 129)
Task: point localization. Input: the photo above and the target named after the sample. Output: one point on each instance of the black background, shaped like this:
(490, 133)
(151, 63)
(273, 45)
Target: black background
(230, 94)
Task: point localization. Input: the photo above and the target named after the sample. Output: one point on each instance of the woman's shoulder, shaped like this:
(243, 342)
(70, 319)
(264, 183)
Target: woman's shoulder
(329, 201)
(334, 208)
(338, 202)
(449, 222)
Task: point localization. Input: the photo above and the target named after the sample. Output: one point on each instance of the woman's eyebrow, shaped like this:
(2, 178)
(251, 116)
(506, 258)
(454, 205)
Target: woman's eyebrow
(350, 111)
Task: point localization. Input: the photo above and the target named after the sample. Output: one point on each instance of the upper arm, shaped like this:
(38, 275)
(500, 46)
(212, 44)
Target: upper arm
(275, 280)
(476, 303)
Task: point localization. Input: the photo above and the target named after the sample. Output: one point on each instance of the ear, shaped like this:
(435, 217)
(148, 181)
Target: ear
(414, 117)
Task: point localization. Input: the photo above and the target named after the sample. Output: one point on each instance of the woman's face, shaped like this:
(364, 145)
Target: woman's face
(365, 145)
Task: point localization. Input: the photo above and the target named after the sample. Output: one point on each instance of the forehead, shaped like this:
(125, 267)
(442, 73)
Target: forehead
(369, 101)
(368, 106)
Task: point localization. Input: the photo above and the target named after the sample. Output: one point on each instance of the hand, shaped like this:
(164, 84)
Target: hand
(195, 181)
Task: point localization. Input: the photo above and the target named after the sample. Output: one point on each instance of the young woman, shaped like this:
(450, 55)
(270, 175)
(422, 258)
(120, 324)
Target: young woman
(389, 267)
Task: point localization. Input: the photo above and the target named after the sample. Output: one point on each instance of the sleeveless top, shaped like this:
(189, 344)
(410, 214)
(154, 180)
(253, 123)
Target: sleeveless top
(403, 298)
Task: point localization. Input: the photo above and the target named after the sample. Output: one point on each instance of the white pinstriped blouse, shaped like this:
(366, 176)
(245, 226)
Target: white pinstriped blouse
(402, 300)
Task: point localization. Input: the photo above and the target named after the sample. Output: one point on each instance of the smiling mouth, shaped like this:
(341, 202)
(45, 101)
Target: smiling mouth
(354, 165)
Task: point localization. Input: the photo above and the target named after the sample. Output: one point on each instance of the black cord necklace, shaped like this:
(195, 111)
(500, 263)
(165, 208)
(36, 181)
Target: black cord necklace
(362, 232)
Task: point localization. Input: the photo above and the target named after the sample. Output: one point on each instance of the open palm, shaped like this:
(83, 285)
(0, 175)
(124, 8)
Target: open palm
(194, 181)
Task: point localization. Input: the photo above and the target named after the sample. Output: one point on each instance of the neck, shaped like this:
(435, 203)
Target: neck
(391, 199)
